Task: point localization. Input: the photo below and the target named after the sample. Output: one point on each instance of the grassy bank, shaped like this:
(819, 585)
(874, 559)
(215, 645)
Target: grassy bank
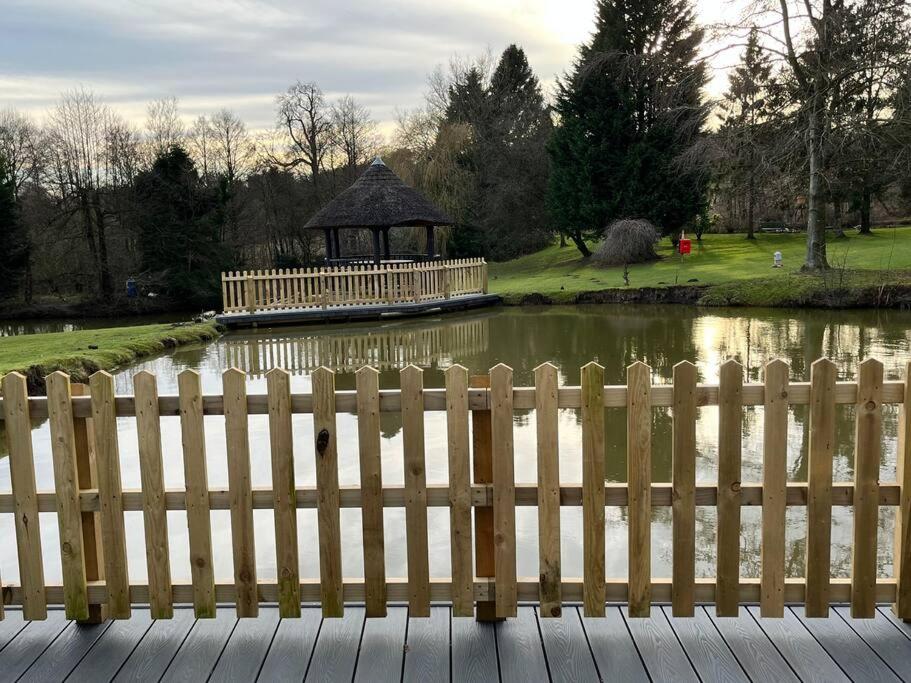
(83, 352)
(729, 269)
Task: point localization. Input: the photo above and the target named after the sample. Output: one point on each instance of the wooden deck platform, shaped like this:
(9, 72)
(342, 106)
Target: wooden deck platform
(355, 312)
(443, 648)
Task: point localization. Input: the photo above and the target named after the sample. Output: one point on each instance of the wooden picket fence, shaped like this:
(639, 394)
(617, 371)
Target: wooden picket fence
(89, 501)
(388, 283)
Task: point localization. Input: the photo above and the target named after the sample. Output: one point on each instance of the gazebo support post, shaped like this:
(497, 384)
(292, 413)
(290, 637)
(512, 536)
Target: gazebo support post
(431, 249)
(376, 246)
(327, 233)
(336, 249)
(386, 253)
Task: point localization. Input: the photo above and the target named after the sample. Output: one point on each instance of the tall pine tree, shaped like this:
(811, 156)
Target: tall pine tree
(631, 111)
(747, 111)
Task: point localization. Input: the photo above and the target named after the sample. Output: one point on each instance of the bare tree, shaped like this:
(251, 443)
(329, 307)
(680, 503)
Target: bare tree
(164, 125)
(232, 149)
(92, 154)
(22, 146)
(354, 133)
(200, 145)
(305, 123)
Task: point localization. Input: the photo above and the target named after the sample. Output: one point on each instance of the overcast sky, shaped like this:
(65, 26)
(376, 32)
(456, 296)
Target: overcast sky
(240, 53)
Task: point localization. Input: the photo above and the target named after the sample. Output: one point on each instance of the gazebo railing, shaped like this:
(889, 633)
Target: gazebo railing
(389, 284)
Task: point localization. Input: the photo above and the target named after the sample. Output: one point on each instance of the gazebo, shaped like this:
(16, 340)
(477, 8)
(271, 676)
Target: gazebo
(377, 201)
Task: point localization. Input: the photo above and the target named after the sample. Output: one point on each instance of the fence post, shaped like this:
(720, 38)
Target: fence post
(484, 276)
(482, 467)
(91, 524)
(902, 606)
(416, 283)
(249, 298)
(446, 281)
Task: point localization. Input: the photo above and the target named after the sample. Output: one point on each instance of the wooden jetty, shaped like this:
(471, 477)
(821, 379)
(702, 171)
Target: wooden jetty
(353, 292)
(479, 620)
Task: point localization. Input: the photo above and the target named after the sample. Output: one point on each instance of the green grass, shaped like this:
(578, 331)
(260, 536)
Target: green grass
(857, 260)
(83, 352)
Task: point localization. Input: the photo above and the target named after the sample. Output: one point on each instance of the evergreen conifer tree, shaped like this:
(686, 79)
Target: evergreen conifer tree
(631, 111)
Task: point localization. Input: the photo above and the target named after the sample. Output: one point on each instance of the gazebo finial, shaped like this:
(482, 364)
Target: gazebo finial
(378, 161)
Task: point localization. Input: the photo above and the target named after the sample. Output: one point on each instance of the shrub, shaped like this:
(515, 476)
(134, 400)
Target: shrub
(629, 240)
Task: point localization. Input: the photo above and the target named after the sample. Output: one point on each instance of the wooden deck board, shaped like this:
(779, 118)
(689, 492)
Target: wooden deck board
(21, 652)
(199, 653)
(335, 653)
(800, 648)
(705, 648)
(291, 648)
(519, 647)
(613, 648)
(246, 650)
(756, 653)
(893, 647)
(383, 647)
(64, 654)
(443, 647)
(427, 648)
(474, 650)
(661, 651)
(566, 648)
(150, 659)
(110, 651)
(851, 653)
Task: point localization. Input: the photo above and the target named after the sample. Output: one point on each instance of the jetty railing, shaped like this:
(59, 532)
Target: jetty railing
(89, 501)
(388, 283)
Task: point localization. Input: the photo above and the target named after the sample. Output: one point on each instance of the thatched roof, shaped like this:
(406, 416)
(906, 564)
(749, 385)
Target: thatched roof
(378, 199)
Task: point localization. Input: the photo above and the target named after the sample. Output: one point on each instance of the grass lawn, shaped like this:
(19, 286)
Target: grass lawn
(560, 273)
(83, 352)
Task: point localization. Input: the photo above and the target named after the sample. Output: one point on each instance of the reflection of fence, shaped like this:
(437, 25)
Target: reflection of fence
(391, 349)
(79, 423)
(389, 283)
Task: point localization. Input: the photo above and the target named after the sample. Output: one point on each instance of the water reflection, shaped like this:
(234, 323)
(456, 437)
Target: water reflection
(522, 338)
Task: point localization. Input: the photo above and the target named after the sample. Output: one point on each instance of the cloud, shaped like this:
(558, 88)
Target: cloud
(241, 53)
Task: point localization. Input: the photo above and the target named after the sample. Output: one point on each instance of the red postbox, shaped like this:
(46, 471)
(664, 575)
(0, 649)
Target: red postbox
(685, 246)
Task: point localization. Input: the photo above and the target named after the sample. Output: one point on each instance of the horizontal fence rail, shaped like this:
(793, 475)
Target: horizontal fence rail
(389, 283)
(481, 494)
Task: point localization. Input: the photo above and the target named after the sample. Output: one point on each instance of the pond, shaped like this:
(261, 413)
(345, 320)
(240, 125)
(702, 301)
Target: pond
(569, 337)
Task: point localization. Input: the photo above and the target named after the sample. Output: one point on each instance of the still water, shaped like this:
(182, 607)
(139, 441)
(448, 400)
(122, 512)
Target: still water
(567, 336)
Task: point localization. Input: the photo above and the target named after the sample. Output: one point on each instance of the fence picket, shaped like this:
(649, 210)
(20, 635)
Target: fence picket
(197, 490)
(902, 544)
(684, 490)
(504, 490)
(330, 542)
(278, 383)
(774, 488)
(593, 489)
(412, 383)
(368, 432)
(22, 477)
(66, 488)
(107, 458)
(154, 511)
(639, 474)
(237, 447)
(459, 491)
(546, 417)
(819, 487)
(867, 442)
(730, 424)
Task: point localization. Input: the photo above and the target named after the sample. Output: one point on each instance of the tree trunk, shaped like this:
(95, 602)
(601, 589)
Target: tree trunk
(816, 229)
(751, 202)
(866, 199)
(580, 244)
(562, 239)
(837, 217)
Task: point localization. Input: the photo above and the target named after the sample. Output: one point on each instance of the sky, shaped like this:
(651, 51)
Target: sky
(240, 54)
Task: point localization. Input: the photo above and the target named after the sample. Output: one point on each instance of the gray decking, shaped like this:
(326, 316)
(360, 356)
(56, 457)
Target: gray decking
(356, 312)
(441, 648)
